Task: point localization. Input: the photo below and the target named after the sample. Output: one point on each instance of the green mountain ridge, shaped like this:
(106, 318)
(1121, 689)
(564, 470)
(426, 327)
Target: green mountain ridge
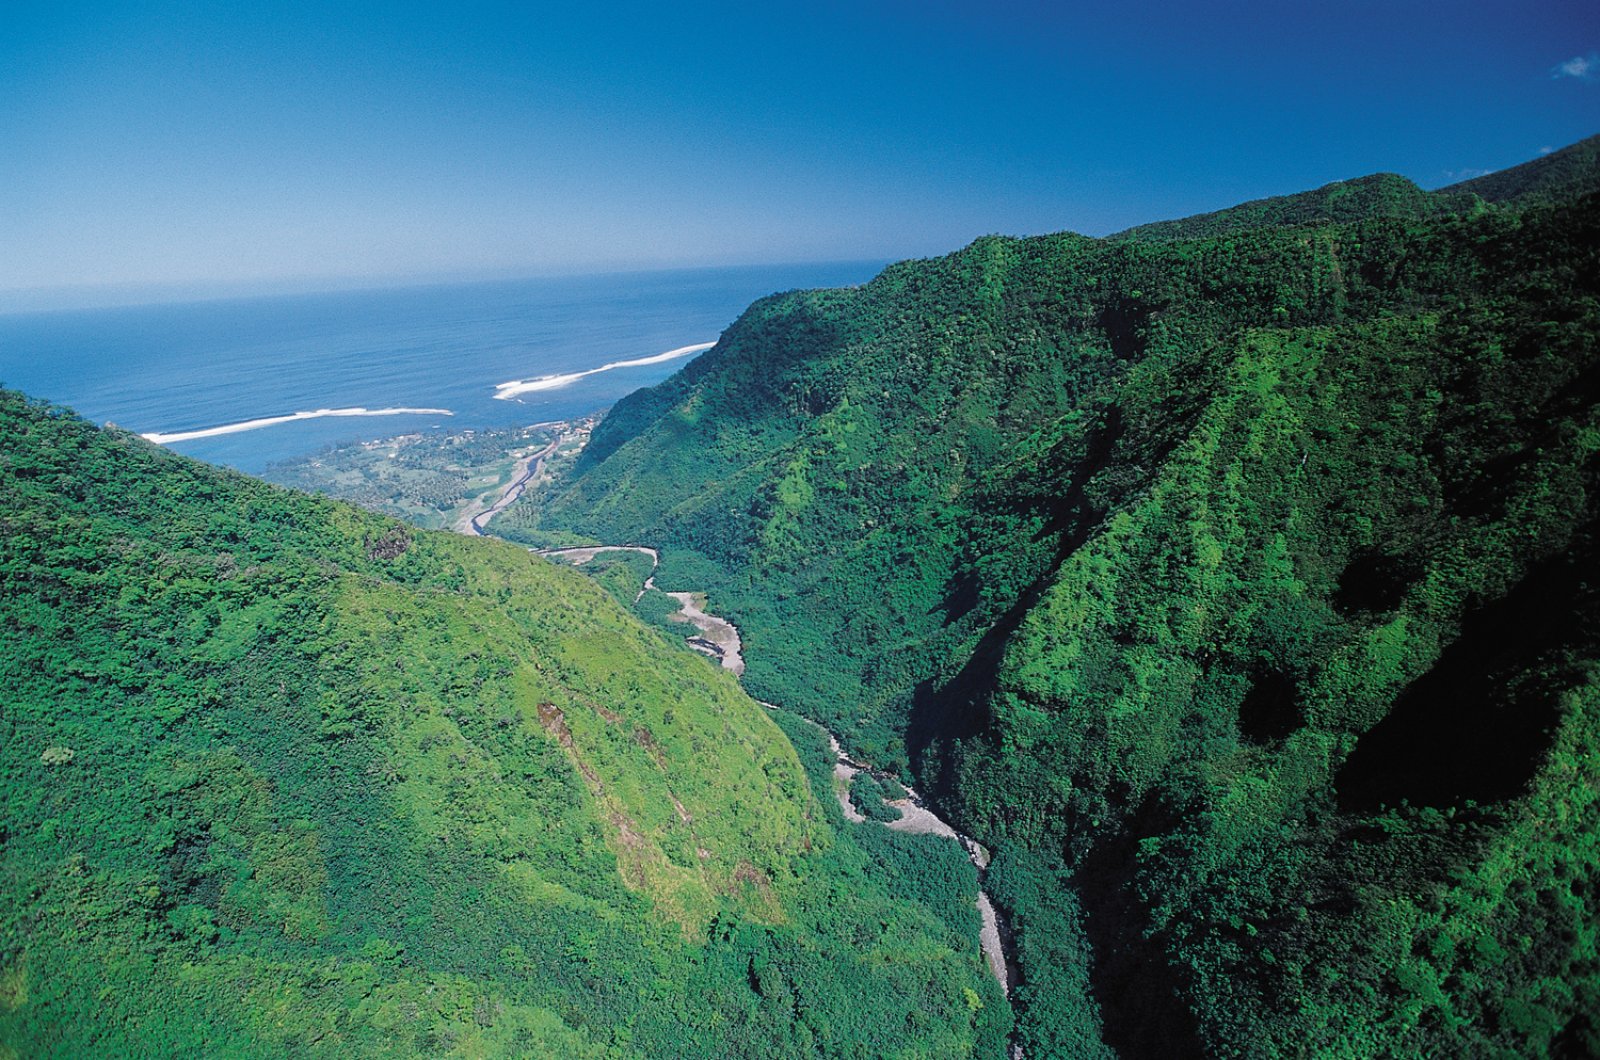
(282, 777)
(1570, 172)
(1381, 195)
(1231, 578)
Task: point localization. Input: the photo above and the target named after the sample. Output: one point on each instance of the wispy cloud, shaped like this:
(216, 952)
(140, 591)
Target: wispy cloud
(1582, 67)
(1467, 173)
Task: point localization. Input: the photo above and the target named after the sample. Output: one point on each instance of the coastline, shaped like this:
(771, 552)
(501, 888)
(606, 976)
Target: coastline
(508, 391)
(168, 437)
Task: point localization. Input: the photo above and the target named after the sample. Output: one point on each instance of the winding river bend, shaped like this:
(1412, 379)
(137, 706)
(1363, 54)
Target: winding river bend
(719, 638)
(523, 472)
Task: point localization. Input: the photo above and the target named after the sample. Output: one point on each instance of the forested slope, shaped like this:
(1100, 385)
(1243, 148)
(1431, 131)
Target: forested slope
(281, 777)
(1233, 578)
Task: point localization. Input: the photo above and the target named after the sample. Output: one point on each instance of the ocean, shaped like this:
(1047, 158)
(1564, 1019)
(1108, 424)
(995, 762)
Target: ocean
(555, 347)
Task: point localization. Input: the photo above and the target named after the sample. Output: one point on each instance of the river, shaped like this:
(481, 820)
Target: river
(719, 638)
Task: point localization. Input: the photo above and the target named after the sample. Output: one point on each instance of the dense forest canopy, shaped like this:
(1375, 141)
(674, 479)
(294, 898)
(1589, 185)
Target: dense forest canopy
(282, 777)
(1233, 577)
(1236, 579)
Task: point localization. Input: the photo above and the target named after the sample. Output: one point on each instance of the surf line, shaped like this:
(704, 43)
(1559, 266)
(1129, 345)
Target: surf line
(167, 438)
(507, 391)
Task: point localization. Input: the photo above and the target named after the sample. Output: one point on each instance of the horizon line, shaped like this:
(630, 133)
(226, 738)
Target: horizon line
(15, 301)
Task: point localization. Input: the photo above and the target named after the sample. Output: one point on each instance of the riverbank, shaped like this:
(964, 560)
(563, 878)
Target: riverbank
(524, 471)
(720, 640)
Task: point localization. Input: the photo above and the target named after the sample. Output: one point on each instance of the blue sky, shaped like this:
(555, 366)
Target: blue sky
(217, 145)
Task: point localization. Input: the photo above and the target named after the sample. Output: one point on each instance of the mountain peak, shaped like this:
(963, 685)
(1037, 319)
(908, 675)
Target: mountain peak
(1570, 172)
(1341, 202)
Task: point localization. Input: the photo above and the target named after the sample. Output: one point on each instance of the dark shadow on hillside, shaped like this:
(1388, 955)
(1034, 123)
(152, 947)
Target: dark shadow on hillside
(1126, 323)
(1066, 512)
(1374, 582)
(1578, 1039)
(1477, 724)
(1114, 462)
(958, 709)
(1141, 995)
(1271, 710)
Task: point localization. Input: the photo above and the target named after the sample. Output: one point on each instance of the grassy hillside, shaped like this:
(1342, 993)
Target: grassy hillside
(1233, 578)
(281, 777)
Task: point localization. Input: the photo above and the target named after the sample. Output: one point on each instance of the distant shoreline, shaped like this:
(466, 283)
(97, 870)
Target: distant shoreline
(509, 391)
(503, 391)
(178, 368)
(167, 438)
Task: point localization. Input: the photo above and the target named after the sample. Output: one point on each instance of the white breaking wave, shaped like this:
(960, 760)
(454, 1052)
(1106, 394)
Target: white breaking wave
(506, 391)
(272, 421)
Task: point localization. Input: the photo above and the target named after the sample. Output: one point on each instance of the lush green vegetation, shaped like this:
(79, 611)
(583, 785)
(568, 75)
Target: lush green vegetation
(283, 777)
(1382, 195)
(1236, 579)
(1233, 578)
(870, 797)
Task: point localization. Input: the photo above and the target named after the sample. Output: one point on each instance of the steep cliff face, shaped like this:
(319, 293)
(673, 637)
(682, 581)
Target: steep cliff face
(283, 777)
(1232, 577)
